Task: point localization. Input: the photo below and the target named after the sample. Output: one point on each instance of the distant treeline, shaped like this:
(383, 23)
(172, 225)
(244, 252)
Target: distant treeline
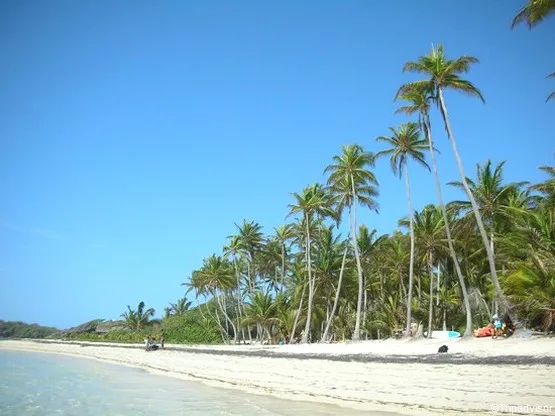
(11, 329)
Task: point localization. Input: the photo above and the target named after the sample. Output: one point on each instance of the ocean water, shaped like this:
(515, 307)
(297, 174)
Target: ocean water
(47, 384)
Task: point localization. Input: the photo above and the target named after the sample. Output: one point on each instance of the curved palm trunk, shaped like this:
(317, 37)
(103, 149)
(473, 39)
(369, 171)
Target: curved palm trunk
(239, 302)
(336, 300)
(468, 311)
(411, 265)
(491, 259)
(304, 338)
(226, 316)
(356, 332)
(431, 311)
(297, 315)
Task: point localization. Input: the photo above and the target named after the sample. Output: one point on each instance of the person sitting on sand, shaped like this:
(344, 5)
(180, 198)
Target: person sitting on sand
(498, 326)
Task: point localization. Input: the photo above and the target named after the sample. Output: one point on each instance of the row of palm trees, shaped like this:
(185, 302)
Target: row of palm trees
(263, 282)
(274, 298)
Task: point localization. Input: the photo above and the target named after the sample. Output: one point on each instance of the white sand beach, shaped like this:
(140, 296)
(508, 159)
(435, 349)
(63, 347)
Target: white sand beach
(512, 376)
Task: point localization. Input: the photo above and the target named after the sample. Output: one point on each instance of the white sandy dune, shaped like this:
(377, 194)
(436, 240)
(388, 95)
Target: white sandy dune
(374, 375)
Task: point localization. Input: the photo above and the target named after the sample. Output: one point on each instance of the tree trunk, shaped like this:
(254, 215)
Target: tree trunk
(411, 264)
(304, 338)
(282, 267)
(491, 259)
(221, 305)
(438, 279)
(430, 313)
(356, 333)
(468, 329)
(336, 300)
(297, 314)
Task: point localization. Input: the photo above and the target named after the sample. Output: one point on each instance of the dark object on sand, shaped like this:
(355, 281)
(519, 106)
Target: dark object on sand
(443, 349)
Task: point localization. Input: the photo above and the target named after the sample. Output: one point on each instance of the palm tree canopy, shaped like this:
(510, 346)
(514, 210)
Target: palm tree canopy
(534, 12)
(313, 200)
(443, 73)
(350, 172)
(404, 142)
(489, 190)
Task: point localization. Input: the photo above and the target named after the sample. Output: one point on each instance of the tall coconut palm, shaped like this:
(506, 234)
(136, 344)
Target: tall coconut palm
(405, 143)
(418, 97)
(313, 201)
(250, 239)
(444, 74)
(283, 234)
(534, 12)
(352, 183)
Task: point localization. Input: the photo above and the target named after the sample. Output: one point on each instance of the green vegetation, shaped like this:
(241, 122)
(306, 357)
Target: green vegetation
(449, 265)
(10, 329)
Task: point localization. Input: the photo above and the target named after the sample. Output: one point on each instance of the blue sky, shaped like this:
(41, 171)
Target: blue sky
(133, 135)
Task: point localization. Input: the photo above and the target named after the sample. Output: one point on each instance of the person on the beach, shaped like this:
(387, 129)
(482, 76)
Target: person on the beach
(148, 342)
(162, 339)
(497, 326)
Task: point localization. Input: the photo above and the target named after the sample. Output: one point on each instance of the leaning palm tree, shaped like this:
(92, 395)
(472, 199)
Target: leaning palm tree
(418, 97)
(313, 201)
(405, 142)
(444, 74)
(534, 12)
(352, 183)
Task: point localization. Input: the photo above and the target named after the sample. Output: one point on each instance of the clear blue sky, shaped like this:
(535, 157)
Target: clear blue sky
(134, 134)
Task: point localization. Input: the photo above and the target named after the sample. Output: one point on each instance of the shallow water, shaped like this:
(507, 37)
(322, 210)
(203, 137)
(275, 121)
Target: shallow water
(46, 384)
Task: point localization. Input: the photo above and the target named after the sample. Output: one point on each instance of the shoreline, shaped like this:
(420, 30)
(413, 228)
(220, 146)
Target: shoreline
(392, 376)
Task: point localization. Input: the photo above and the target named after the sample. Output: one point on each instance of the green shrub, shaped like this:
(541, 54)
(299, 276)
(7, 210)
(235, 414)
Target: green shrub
(189, 329)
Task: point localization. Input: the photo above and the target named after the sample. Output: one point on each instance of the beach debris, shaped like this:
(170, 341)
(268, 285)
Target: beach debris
(443, 349)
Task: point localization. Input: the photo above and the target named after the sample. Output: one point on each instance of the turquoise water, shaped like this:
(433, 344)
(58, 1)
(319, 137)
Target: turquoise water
(46, 384)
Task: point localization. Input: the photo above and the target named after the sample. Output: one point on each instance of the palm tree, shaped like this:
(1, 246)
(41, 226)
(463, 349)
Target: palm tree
(547, 188)
(418, 97)
(534, 12)
(445, 74)
(250, 240)
(138, 318)
(216, 276)
(284, 233)
(429, 229)
(491, 196)
(180, 307)
(406, 143)
(261, 311)
(314, 200)
(352, 183)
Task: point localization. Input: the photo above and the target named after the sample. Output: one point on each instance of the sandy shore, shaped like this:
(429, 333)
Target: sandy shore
(513, 376)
